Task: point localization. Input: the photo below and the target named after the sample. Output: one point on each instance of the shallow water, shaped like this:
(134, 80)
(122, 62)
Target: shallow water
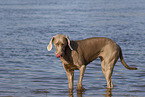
(27, 69)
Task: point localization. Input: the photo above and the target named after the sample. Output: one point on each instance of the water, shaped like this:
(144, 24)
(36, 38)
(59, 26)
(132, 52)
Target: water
(27, 69)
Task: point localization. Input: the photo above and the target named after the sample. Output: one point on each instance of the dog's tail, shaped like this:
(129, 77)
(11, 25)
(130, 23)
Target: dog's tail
(124, 63)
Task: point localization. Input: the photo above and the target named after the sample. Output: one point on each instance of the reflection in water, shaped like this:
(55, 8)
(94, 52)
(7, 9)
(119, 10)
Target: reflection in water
(80, 92)
(108, 93)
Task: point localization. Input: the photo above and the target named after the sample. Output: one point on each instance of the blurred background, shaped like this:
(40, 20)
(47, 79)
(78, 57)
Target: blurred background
(27, 69)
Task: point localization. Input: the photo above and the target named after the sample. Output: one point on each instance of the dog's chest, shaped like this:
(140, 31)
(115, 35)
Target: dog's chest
(69, 65)
(64, 61)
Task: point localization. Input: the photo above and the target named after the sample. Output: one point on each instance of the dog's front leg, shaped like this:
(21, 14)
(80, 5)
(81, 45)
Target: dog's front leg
(70, 76)
(82, 71)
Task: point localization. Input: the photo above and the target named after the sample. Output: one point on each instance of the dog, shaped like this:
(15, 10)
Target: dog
(76, 55)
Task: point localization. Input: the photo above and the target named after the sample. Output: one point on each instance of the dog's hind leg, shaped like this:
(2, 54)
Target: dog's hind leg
(108, 72)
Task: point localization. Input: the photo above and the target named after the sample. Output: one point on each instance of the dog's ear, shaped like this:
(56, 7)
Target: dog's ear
(49, 47)
(68, 41)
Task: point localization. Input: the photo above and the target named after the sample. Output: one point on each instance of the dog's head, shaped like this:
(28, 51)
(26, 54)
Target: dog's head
(60, 42)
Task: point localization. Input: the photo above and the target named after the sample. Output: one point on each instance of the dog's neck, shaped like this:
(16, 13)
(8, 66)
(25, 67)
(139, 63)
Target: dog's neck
(67, 58)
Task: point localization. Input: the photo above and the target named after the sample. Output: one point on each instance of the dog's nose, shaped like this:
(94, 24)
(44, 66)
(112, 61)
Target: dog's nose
(58, 55)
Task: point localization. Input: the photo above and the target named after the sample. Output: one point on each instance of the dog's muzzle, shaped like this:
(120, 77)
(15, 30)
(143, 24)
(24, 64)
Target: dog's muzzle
(58, 55)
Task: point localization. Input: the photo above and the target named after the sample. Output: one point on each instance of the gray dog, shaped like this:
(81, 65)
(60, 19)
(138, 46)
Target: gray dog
(77, 54)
